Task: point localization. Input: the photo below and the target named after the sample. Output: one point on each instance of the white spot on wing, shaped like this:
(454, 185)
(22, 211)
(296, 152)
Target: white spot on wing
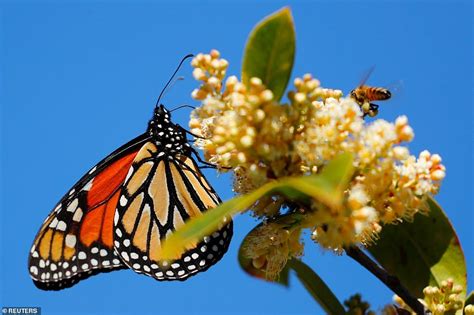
(77, 215)
(53, 223)
(123, 201)
(130, 172)
(116, 217)
(61, 226)
(70, 240)
(88, 186)
(93, 170)
(73, 205)
(125, 256)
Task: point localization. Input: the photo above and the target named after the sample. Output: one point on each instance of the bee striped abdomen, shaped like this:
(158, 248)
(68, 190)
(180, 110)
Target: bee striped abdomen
(377, 94)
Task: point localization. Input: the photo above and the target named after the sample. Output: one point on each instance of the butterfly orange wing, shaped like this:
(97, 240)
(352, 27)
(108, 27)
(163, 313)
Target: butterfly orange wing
(76, 239)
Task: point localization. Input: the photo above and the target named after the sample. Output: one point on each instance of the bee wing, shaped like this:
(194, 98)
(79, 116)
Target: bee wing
(396, 87)
(366, 75)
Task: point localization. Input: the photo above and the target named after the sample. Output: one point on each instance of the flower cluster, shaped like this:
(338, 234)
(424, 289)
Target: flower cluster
(271, 245)
(244, 129)
(441, 300)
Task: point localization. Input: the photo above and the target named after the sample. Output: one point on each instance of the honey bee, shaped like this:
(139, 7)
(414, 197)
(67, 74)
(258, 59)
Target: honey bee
(364, 95)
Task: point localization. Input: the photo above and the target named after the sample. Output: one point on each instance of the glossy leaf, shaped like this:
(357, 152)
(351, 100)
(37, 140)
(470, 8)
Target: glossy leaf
(270, 51)
(316, 287)
(470, 298)
(325, 187)
(423, 252)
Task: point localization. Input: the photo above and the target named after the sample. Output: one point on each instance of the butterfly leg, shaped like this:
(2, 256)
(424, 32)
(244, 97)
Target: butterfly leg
(190, 133)
(194, 135)
(207, 164)
(198, 157)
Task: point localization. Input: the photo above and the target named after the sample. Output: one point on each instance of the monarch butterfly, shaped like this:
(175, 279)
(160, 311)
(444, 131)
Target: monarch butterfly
(117, 215)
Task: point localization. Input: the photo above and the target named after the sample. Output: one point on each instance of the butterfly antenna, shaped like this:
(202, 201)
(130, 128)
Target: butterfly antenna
(172, 77)
(182, 106)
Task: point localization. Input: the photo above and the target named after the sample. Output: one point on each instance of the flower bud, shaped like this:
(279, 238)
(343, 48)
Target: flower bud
(215, 53)
(214, 82)
(438, 175)
(300, 97)
(255, 81)
(199, 74)
(266, 96)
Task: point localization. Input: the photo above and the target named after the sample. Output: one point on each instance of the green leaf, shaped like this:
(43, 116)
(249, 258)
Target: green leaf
(325, 187)
(470, 298)
(270, 51)
(339, 172)
(316, 287)
(423, 252)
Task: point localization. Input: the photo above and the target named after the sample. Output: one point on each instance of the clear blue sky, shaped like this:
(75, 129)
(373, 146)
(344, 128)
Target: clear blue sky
(79, 79)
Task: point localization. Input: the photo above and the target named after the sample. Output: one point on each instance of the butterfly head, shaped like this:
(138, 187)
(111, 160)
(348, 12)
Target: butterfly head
(168, 136)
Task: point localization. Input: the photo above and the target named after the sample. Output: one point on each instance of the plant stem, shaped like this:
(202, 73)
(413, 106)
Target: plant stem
(389, 280)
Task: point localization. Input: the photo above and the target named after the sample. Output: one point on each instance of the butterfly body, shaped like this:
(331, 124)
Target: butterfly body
(167, 136)
(119, 213)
